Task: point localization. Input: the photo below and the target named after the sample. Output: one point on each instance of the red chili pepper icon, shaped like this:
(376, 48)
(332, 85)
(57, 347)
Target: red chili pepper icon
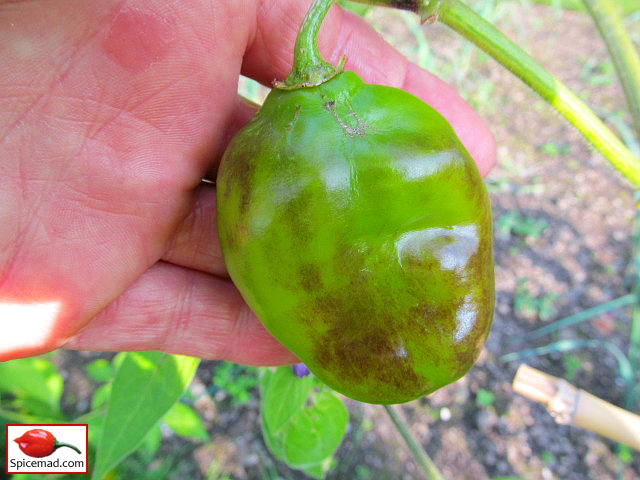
(40, 443)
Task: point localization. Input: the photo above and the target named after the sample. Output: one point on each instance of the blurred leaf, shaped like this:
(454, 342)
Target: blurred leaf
(484, 397)
(572, 365)
(184, 421)
(546, 307)
(95, 429)
(33, 380)
(302, 425)
(625, 454)
(515, 223)
(101, 395)
(152, 440)
(626, 6)
(356, 8)
(555, 149)
(318, 470)
(118, 359)
(236, 380)
(100, 370)
(145, 387)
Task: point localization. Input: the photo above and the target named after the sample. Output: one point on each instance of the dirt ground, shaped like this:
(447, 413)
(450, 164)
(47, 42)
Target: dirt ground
(573, 255)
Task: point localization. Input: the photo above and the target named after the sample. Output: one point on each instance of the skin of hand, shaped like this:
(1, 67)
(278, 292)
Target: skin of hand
(111, 113)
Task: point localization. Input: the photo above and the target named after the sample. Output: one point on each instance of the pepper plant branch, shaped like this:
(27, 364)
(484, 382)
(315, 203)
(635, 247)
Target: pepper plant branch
(606, 16)
(469, 24)
(420, 456)
(484, 35)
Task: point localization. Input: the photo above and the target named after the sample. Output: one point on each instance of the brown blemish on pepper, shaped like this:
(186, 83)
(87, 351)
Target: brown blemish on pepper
(310, 278)
(296, 220)
(239, 176)
(360, 345)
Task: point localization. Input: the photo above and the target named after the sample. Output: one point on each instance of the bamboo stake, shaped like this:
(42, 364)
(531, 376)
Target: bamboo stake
(572, 406)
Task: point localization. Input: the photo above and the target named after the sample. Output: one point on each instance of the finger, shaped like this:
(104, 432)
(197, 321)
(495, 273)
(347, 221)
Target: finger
(271, 54)
(177, 310)
(195, 243)
(241, 114)
(108, 113)
(468, 125)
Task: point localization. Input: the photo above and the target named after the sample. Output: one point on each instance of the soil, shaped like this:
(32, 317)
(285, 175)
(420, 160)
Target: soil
(577, 257)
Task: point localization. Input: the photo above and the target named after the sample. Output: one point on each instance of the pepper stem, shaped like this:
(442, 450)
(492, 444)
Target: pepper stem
(57, 445)
(309, 68)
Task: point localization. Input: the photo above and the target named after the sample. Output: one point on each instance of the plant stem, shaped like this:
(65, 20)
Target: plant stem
(624, 365)
(606, 16)
(483, 34)
(420, 456)
(579, 317)
(309, 68)
(466, 22)
(58, 444)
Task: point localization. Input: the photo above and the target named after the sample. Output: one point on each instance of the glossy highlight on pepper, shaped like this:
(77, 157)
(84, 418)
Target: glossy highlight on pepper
(358, 229)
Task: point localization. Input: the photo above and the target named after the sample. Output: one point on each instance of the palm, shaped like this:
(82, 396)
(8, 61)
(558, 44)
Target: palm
(110, 118)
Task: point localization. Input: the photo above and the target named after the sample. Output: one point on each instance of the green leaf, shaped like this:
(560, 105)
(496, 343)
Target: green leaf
(145, 387)
(283, 395)
(625, 454)
(152, 440)
(101, 396)
(316, 431)
(33, 379)
(100, 370)
(356, 8)
(95, 429)
(484, 397)
(302, 425)
(319, 470)
(184, 421)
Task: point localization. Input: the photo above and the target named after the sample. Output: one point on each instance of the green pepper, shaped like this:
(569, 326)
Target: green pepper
(358, 229)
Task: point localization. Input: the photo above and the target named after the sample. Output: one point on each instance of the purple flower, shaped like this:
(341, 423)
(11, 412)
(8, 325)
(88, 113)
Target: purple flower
(300, 370)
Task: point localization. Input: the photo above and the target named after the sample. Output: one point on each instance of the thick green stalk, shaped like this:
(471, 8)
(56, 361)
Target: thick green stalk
(465, 21)
(309, 68)
(483, 34)
(420, 456)
(606, 15)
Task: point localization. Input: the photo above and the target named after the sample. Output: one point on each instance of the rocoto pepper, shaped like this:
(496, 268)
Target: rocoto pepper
(358, 229)
(40, 443)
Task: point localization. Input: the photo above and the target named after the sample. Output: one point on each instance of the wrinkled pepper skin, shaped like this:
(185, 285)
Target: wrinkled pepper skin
(358, 229)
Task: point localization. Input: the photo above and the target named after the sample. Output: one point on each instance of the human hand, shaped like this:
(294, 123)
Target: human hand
(110, 116)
